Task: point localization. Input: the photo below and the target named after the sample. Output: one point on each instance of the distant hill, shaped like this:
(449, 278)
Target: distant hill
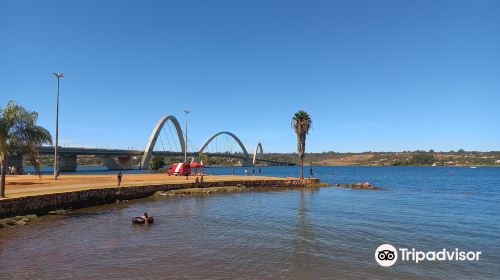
(452, 158)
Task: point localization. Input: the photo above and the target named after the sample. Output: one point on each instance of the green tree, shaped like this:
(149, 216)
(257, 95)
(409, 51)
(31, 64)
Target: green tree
(19, 133)
(157, 163)
(422, 159)
(301, 123)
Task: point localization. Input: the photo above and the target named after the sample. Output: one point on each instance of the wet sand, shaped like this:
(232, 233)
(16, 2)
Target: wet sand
(26, 185)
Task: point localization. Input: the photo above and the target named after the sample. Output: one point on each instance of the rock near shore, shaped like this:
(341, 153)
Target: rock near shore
(364, 186)
(17, 221)
(59, 212)
(200, 191)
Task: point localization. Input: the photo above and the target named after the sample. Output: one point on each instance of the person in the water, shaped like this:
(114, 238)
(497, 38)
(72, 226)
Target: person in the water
(145, 217)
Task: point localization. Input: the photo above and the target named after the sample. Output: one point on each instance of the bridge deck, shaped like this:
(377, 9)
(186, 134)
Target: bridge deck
(49, 150)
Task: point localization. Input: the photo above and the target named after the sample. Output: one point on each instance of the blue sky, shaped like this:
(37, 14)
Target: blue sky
(374, 75)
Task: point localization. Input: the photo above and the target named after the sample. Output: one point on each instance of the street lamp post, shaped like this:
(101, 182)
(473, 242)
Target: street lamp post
(56, 173)
(186, 144)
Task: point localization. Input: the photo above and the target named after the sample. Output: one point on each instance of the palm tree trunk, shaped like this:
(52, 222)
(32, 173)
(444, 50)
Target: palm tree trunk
(301, 167)
(3, 170)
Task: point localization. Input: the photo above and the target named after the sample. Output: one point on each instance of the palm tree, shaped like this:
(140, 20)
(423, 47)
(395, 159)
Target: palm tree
(301, 123)
(19, 134)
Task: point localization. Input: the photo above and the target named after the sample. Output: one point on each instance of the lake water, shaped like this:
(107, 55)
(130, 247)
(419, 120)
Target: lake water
(323, 233)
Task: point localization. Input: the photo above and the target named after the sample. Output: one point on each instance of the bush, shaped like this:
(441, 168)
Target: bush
(157, 163)
(422, 159)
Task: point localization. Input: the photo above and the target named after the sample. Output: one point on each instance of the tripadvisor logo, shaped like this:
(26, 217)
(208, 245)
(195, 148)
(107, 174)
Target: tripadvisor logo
(387, 255)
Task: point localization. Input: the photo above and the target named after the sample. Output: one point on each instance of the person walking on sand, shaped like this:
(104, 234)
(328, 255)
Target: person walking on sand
(119, 177)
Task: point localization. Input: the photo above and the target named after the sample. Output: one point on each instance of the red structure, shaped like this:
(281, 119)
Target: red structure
(194, 165)
(180, 169)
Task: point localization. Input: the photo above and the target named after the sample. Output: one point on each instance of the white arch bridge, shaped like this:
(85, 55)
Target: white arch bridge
(243, 154)
(122, 159)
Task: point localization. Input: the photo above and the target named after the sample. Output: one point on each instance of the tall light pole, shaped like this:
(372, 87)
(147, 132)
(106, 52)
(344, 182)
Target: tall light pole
(56, 173)
(186, 144)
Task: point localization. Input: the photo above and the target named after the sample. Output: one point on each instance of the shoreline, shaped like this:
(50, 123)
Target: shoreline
(22, 220)
(26, 185)
(81, 196)
(229, 166)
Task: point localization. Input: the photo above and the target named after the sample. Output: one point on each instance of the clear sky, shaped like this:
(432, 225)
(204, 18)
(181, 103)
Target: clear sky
(373, 75)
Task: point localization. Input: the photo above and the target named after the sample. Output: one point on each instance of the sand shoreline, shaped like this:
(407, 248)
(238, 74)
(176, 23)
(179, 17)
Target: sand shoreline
(27, 185)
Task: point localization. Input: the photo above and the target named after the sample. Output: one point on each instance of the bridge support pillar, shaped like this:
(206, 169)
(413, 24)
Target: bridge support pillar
(117, 162)
(66, 162)
(15, 164)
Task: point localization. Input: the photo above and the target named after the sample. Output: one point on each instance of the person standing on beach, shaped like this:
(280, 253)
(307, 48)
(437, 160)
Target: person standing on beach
(119, 177)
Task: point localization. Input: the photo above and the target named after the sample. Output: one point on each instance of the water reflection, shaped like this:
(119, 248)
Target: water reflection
(294, 234)
(304, 237)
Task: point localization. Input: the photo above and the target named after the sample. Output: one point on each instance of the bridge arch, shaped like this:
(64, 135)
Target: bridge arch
(258, 147)
(245, 153)
(148, 151)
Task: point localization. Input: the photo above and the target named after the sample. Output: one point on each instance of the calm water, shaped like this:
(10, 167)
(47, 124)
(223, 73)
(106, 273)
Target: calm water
(300, 234)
